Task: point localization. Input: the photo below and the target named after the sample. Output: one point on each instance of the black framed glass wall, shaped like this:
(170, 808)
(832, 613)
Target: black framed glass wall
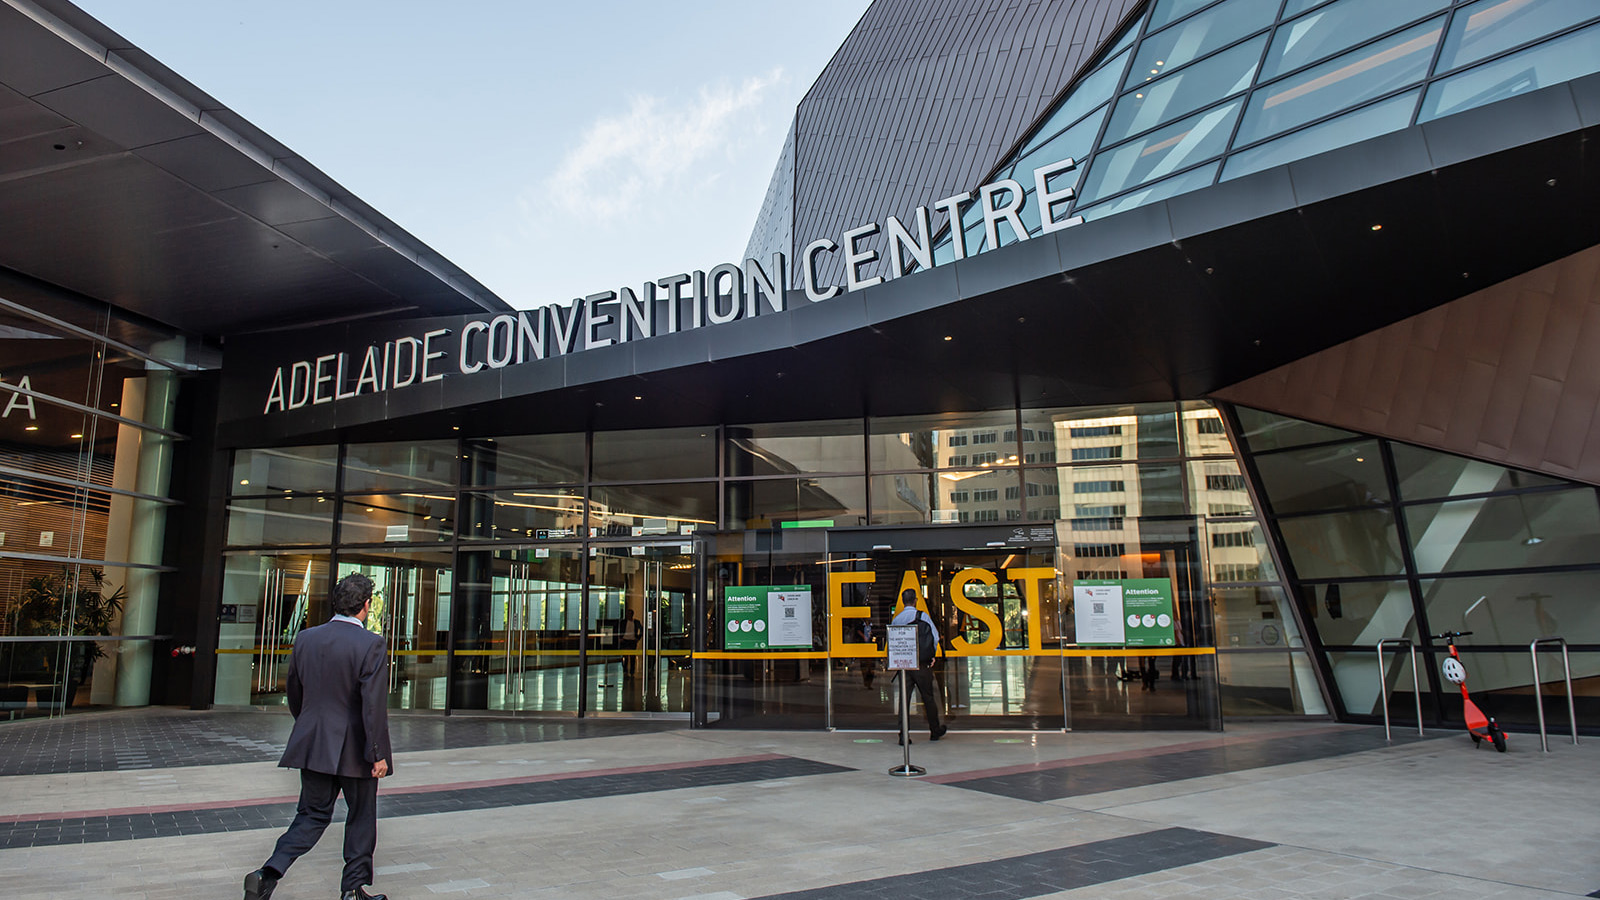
(87, 403)
(602, 525)
(1389, 540)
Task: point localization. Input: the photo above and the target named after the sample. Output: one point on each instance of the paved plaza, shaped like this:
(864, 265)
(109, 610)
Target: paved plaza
(175, 804)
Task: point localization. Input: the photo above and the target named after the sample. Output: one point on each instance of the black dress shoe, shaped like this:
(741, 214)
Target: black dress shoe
(361, 894)
(259, 885)
(935, 735)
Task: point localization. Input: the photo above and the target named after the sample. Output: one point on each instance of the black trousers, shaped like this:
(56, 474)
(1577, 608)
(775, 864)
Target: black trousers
(315, 811)
(922, 680)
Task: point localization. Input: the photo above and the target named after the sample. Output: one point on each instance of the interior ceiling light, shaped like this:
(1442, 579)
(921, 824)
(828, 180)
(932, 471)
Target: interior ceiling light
(76, 436)
(1377, 228)
(949, 337)
(31, 428)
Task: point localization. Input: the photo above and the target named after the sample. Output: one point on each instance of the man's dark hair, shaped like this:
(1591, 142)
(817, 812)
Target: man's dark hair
(351, 593)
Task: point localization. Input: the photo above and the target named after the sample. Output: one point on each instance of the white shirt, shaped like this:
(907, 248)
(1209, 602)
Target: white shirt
(909, 615)
(337, 617)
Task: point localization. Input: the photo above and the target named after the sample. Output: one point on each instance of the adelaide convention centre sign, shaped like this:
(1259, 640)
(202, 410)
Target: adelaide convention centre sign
(724, 294)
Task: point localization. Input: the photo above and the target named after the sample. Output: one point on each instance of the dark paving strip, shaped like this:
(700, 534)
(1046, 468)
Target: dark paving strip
(163, 738)
(1048, 872)
(127, 827)
(1095, 778)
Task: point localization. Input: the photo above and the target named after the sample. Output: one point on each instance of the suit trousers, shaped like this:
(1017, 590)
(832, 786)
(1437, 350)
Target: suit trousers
(318, 791)
(922, 680)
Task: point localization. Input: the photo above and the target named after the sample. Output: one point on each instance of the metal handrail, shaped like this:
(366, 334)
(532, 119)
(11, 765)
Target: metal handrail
(1383, 683)
(1538, 687)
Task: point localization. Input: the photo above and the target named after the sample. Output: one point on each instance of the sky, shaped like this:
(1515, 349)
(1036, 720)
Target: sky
(551, 150)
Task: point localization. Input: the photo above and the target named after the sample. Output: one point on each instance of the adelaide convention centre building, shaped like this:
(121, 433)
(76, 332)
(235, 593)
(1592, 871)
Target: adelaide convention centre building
(1174, 355)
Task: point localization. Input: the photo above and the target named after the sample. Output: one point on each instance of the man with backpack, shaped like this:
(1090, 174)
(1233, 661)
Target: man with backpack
(927, 645)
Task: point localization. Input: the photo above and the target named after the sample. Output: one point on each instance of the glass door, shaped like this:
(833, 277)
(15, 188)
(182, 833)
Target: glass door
(1137, 631)
(536, 623)
(997, 611)
(411, 597)
(640, 597)
(267, 599)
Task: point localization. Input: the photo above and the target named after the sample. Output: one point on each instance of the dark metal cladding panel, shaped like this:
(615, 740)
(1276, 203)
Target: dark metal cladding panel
(921, 101)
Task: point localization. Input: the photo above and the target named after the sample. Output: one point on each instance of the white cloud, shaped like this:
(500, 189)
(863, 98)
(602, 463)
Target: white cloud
(624, 161)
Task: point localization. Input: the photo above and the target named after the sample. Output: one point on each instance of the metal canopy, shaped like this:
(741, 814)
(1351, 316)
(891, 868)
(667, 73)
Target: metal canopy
(123, 182)
(1169, 301)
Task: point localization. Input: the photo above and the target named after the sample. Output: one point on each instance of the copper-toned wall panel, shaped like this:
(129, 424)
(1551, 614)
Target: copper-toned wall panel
(1510, 373)
(923, 99)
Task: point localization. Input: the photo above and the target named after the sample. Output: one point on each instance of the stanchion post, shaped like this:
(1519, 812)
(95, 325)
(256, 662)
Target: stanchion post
(902, 655)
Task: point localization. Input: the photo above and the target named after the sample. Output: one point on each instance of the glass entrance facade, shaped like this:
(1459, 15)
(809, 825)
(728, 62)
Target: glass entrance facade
(601, 573)
(89, 405)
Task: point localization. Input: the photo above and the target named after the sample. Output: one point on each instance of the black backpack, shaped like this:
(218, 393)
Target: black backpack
(927, 643)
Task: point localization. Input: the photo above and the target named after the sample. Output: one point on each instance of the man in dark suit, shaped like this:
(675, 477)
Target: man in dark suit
(338, 691)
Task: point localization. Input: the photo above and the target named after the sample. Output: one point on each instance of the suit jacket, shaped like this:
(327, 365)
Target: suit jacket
(339, 694)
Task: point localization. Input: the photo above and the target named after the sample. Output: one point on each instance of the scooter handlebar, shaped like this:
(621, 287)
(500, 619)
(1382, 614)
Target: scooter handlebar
(1451, 634)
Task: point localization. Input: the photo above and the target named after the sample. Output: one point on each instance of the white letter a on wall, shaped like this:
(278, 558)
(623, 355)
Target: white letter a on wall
(21, 401)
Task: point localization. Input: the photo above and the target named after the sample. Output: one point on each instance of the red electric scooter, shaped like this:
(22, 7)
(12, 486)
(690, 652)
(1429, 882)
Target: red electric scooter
(1479, 726)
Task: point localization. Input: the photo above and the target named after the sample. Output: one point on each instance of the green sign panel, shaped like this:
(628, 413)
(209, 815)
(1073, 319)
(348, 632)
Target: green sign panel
(764, 617)
(1129, 612)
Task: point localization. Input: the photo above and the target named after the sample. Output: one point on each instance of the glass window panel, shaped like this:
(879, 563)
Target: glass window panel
(1544, 529)
(1350, 80)
(1185, 90)
(797, 502)
(400, 464)
(1337, 27)
(47, 359)
(1494, 26)
(1343, 545)
(1073, 143)
(656, 453)
(1217, 488)
(1518, 607)
(1562, 59)
(1269, 684)
(400, 518)
(653, 509)
(947, 498)
(1337, 476)
(1428, 474)
(525, 459)
(1090, 495)
(1238, 552)
(1382, 117)
(533, 513)
(55, 519)
(1358, 613)
(953, 440)
(1170, 10)
(1294, 8)
(1204, 433)
(1215, 28)
(1097, 433)
(1090, 93)
(1160, 153)
(795, 448)
(1356, 675)
(1265, 431)
(273, 521)
(1254, 617)
(279, 469)
(1256, 684)
(1193, 180)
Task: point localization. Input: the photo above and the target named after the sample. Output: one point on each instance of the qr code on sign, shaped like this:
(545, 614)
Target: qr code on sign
(788, 612)
(1099, 608)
